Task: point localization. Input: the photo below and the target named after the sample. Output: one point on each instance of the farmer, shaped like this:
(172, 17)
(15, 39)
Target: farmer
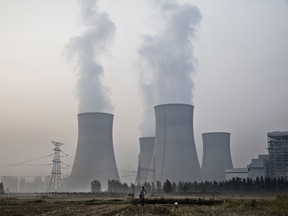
(142, 194)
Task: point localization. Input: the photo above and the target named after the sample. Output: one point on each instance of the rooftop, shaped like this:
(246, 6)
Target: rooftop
(277, 133)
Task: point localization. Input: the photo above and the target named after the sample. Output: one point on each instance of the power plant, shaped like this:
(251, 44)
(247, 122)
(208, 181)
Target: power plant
(144, 159)
(171, 154)
(278, 154)
(274, 164)
(216, 156)
(94, 159)
(174, 155)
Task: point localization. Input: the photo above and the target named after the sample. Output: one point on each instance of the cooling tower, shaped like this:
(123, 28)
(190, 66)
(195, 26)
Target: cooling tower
(174, 156)
(216, 156)
(94, 159)
(144, 159)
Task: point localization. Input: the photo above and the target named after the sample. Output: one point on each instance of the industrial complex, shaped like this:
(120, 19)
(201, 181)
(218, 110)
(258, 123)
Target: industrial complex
(171, 155)
(175, 158)
(272, 165)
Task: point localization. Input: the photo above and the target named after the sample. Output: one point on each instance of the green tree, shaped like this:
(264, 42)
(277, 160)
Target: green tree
(124, 188)
(1, 188)
(147, 186)
(115, 186)
(138, 187)
(158, 187)
(174, 187)
(95, 186)
(180, 186)
(132, 188)
(167, 186)
(153, 188)
(185, 187)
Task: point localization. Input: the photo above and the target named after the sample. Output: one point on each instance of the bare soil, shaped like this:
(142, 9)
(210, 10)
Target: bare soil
(126, 207)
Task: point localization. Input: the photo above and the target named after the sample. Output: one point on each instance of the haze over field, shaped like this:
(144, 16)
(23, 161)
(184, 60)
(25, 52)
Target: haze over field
(238, 77)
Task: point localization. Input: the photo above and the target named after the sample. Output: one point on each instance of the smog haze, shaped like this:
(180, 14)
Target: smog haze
(237, 81)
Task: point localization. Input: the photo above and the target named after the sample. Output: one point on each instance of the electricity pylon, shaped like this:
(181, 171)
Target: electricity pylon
(56, 181)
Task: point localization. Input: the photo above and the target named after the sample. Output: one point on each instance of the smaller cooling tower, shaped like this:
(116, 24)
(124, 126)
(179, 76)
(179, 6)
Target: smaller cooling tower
(94, 159)
(174, 155)
(216, 156)
(144, 159)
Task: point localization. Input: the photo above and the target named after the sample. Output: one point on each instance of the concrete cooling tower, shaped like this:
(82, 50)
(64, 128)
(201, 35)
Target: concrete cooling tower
(144, 159)
(94, 159)
(216, 156)
(174, 156)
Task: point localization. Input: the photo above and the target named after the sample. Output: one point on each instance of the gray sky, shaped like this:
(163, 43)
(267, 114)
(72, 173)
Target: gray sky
(240, 83)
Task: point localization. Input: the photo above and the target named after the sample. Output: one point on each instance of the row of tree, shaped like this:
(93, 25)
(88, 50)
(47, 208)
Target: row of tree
(114, 186)
(236, 185)
(1, 188)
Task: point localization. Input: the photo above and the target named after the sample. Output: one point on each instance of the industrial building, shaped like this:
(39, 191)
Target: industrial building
(216, 156)
(94, 159)
(258, 167)
(272, 165)
(29, 184)
(144, 159)
(278, 154)
(174, 155)
(10, 183)
(236, 173)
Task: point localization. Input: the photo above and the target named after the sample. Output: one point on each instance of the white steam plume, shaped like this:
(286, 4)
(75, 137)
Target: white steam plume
(87, 48)
(168, 60)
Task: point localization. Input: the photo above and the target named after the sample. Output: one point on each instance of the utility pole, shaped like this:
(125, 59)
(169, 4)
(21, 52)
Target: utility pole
(56, 182)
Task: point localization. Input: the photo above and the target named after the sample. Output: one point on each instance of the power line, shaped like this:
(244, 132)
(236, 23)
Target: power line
(23, 162)
(27, 176)
(87, 162)
(25, 165)
(125, 173)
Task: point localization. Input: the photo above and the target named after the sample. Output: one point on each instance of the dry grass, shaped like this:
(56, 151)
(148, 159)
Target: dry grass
(156, 206)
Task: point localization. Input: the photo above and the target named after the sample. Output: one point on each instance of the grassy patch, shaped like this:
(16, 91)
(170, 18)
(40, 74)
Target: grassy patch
(182, 201)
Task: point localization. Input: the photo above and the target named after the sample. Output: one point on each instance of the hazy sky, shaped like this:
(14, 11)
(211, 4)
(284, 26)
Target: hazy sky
(240, 79)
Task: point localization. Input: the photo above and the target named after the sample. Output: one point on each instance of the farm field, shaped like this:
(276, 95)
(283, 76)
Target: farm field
(154, 206)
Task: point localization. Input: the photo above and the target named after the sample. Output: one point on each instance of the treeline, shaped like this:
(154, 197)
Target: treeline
(1, 188)
(234, 185)
(114, 186)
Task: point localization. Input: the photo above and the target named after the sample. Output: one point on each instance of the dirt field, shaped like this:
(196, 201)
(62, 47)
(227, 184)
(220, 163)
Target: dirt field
(160, 206)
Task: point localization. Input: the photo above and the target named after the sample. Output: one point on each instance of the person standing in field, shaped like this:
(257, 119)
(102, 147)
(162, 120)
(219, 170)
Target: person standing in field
(142, 194)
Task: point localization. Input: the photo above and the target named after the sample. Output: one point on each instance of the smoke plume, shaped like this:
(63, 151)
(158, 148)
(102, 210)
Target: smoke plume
(87, 49)
(168, 61)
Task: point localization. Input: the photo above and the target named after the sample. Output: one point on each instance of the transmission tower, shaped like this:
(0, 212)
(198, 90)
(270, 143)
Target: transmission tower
(56, 182)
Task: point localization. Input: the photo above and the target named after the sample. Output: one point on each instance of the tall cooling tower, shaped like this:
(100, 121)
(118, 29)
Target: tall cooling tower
(216, 156)
(174, 156)
(144, 159)
(94, 159)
